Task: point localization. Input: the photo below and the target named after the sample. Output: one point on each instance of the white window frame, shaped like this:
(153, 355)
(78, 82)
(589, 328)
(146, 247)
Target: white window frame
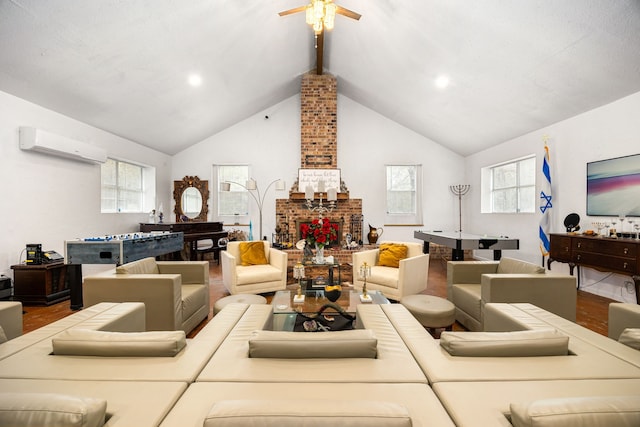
(147, 189)
(409, 217)
(241, 218)
(488, 189)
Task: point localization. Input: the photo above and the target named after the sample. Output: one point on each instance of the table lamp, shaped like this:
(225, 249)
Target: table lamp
(365, 271)
(298, 273)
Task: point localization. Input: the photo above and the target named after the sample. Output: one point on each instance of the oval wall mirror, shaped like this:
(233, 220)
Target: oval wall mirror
(191, 195)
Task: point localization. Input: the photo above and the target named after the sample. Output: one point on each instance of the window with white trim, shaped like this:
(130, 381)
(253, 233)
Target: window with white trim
(126, 187)
(510, 187)
(233, 205)
(404, 194)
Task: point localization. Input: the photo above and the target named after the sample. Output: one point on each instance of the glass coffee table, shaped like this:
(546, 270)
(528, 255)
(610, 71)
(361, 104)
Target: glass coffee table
(285, 309)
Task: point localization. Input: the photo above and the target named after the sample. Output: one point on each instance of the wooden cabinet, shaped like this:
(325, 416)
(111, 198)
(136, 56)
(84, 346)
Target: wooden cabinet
(43, 284)
(620, 255)
(560, 248)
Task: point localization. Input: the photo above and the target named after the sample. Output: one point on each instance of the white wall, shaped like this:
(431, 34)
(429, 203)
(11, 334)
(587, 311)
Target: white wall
(609, 131)
(366, 142)
(48, 200)
(271, 146)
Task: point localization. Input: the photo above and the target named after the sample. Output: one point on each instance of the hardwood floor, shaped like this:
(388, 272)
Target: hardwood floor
(592, 310)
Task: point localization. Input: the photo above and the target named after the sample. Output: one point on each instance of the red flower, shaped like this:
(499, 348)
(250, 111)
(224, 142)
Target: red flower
(320, 232)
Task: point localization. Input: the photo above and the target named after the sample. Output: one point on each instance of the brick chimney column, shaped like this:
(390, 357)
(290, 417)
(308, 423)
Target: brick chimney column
(319, 121)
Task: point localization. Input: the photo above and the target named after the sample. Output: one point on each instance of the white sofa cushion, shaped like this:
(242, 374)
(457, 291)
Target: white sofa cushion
(386, 276)
(578, 411)
(142, 266)
(539, 342)
(357, 343)
(257, 273)
(310, 413)
(515, 266)
(630, 337)
(51, 409)
(3, 336)
(85, 342)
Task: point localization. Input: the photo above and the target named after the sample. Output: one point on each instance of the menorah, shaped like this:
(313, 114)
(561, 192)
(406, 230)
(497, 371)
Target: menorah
(460, 190)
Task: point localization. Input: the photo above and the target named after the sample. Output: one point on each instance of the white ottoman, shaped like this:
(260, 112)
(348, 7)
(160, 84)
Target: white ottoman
(241, 298)
(432, 312)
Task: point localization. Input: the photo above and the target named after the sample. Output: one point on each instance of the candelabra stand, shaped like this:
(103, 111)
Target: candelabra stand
(460, 190)
(251, 187)
(298, 273)
(365, 271)
(320, 208)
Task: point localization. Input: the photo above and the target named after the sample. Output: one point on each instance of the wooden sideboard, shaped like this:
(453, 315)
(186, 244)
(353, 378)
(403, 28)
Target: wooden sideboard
(618, 255)
(41, 284)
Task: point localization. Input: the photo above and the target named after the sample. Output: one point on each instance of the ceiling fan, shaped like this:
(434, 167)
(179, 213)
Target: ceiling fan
(321, 14)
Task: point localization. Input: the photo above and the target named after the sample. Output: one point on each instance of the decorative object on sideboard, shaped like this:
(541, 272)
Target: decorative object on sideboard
(572, 222)
(252, 188)
(460, 190)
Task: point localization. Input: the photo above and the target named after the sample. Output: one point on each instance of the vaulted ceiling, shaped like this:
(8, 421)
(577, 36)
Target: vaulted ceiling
(514, 66)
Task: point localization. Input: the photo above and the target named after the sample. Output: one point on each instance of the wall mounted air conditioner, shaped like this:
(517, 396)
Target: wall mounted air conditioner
(32, 139)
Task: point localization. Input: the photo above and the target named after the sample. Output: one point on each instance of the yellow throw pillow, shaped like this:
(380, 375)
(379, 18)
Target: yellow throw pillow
(252, 253)
(391, 254)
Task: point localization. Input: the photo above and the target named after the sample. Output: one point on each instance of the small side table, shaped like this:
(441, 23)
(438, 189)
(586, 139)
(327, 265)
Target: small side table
(43, 284)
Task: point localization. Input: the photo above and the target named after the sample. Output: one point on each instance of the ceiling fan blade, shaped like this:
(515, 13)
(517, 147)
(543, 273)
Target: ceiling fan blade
(348, 13)
(292, 11)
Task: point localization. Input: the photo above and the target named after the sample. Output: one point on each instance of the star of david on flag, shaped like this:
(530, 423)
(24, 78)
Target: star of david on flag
(546, 203)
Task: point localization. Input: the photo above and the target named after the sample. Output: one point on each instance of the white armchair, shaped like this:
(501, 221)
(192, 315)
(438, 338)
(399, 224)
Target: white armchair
(253, 279)
(409, 278)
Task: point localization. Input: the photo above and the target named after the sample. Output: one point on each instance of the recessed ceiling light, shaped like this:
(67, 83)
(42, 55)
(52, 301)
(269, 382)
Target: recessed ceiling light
(442, 82)
(195, 80)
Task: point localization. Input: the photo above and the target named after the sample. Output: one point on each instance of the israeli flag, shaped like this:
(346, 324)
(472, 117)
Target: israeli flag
(546, 202)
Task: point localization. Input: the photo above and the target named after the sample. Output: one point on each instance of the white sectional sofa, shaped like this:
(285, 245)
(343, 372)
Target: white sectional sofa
(392, 372)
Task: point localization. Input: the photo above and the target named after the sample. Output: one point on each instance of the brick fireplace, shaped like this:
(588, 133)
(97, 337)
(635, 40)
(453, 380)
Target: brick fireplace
(319, 150)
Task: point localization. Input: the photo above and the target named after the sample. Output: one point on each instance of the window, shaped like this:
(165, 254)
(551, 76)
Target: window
(404, 189)
(123, 187)
(510, 187)
(232, 204)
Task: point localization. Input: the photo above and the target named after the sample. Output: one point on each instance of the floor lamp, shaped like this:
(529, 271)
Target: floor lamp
(252, 187)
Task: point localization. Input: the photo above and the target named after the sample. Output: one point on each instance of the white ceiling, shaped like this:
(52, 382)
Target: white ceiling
(515, 66)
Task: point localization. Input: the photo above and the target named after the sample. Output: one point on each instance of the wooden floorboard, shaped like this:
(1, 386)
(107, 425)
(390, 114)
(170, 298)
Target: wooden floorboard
(592, 310)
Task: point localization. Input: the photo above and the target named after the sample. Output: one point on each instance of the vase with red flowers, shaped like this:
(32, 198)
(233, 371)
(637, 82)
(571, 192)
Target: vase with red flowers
(320, 233)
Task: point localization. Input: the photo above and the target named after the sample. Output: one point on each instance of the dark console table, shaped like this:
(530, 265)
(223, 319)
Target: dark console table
(42, 284)
(618, 255)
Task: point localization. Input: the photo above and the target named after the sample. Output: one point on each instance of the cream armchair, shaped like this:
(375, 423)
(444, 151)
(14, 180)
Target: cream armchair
(10, 320)
(175, 293)
(472, 284)
(253, 279)
(622, 315)
(408, 279)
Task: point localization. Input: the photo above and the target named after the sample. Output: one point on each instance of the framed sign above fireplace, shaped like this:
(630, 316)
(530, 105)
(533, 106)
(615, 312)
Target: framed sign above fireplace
(330, 177)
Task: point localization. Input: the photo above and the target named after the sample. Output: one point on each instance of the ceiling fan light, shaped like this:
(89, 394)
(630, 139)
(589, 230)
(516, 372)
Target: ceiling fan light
(309, 14)
(318, 9)
(317, 27)
(330, 15)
